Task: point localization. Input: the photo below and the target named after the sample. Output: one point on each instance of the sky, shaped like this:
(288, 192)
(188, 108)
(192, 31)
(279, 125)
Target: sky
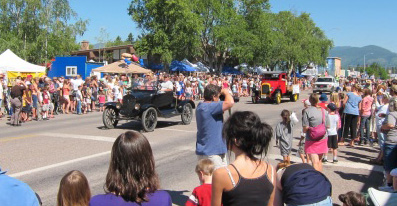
(355, 23)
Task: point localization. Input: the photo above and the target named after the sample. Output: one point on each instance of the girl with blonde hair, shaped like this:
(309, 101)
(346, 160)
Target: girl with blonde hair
(74, 190)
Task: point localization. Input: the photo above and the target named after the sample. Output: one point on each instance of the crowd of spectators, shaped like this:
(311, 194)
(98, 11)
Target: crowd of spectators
(248, 180)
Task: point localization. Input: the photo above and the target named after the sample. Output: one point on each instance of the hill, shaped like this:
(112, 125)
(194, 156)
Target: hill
(353, 56)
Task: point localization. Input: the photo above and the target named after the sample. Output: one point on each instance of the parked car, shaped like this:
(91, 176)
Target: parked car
(274, 87)
(325, 84)
(146, 104)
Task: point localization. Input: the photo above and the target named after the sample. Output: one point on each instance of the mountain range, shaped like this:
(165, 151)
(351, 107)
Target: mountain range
(353, 56)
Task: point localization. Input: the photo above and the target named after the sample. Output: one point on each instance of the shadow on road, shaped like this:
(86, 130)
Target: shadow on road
(137, 126)
(374, 179)
(178, 198)
(354, 157)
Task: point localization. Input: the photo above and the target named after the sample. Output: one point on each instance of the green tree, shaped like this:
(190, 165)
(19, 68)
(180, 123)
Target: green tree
(130, 39)
(169, 28)
(38, 30)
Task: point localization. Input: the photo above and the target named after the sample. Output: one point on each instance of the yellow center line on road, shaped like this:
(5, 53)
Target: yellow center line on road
(8, 139)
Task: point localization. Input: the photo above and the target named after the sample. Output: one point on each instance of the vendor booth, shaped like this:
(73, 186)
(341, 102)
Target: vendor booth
(14, 66)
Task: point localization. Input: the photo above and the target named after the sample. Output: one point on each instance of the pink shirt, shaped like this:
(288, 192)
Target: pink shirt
(367, 105)
(102, 99)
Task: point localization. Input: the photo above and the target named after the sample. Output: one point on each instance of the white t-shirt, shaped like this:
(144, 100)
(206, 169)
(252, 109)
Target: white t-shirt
(79, 96)
(167, 85)
(333, 123)
(76, 83)
(178, 86)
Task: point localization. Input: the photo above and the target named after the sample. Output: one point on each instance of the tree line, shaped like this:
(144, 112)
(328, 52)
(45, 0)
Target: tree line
(219, 32)
(38, 30)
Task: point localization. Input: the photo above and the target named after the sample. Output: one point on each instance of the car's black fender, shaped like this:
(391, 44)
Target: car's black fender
(112, 105)
(145, 107)
(182, 103)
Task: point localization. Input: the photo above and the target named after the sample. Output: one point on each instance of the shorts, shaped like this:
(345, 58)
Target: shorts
(101, 104)
(390, 157)
(66, 97)
(332, 141)
(301, 149)
(188, 95)
(178, 93)
(27, 108)
(218, 160)
(35, 101)
(45, 107)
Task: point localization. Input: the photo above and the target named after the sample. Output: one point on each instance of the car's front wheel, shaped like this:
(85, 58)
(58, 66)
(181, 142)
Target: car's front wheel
(187, 114)
(109, 117)
(149, 119)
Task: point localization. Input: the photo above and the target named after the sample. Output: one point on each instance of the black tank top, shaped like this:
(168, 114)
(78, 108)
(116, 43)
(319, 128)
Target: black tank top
(249, 192)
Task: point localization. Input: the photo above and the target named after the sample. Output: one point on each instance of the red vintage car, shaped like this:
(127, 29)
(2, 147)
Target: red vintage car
(275, 86)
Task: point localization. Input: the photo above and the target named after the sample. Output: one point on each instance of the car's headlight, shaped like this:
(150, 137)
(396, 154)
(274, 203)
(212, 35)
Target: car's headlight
(118, 105)
(137, 106)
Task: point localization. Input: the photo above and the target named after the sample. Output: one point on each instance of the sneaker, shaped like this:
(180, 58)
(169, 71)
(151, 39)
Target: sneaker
(386, 189)
(335, 161)
(324, 160)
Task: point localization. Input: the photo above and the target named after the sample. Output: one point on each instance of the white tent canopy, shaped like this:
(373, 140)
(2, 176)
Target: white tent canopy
(11, 62)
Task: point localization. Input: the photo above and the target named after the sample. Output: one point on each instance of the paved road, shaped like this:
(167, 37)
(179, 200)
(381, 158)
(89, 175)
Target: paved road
(40, 153)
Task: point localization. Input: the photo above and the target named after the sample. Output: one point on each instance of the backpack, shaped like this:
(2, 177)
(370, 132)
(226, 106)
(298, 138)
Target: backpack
(318, 132)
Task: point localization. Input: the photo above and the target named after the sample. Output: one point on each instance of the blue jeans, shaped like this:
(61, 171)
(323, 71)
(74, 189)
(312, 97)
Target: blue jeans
(365, 120)
(381, 137)
(326, 202)
(389, 157)
(79, 107)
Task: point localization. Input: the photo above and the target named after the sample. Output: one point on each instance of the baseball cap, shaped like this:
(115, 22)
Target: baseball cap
(306, 102)
(332, 106)
(323, 97)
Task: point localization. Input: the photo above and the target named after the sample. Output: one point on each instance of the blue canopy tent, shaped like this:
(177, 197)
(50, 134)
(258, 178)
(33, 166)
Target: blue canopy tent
(231, 70)
(177, 66)
(297, 75)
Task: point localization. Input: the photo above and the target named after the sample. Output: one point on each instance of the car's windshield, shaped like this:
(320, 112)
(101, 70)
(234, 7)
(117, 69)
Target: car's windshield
(324, 80)
(143, 84)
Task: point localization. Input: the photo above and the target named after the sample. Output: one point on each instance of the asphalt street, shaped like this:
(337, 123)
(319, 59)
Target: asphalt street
(40, 153)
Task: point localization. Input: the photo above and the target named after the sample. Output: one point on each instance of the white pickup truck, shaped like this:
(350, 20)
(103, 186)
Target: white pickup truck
(325, 84)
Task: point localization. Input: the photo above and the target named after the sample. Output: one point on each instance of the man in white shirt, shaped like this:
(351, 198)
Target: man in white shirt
(77, 82)
(167, 84)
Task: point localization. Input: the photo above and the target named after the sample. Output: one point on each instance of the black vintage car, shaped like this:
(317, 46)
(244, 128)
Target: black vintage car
(146, 104)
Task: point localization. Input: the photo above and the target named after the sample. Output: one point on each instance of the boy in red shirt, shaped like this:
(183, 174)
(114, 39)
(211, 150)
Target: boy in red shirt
(201, 195)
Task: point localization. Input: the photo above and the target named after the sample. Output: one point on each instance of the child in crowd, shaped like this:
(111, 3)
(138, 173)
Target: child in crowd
(189, 90)
(334, 120)
(102, 100)
(45, 103)
(305, 157)
(284, 135)
(352, 199)
(201, 195)
(79, 98)
(74, 190)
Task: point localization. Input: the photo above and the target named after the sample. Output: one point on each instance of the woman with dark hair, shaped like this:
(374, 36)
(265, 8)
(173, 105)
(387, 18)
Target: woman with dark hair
(248, 180)
(313, 119)
(131, 179)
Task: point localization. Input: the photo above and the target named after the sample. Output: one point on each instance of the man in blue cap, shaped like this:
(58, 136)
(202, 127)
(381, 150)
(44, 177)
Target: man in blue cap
(14, 192)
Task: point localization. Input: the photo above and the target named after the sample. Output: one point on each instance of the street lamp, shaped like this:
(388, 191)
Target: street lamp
(364, 60)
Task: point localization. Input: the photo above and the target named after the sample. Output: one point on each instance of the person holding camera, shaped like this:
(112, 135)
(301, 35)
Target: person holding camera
(16, 101)
(209, 118)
